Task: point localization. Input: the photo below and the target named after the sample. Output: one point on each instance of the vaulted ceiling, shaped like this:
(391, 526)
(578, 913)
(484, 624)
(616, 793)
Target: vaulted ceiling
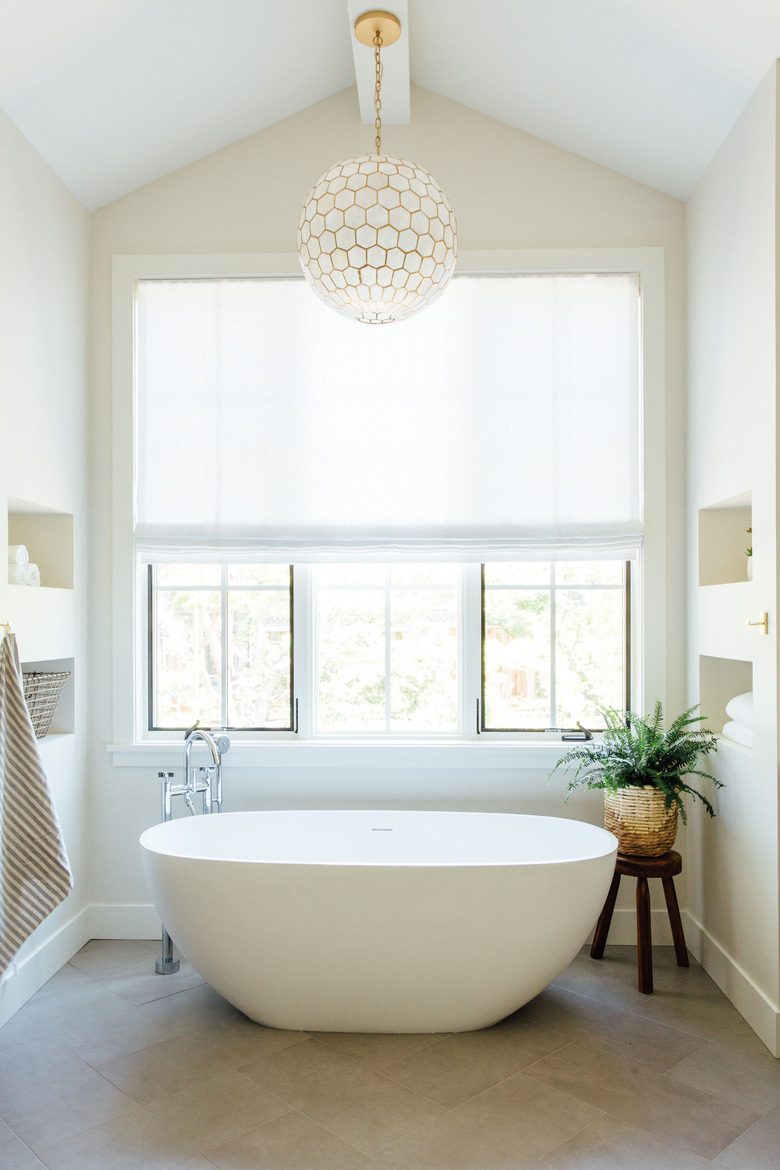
(115, 93)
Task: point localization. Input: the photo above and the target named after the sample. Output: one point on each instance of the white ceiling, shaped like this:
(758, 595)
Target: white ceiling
(115, 93)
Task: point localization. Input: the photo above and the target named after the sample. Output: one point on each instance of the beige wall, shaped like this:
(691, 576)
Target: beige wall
(732, 318)
(509, 190)
(44, 289)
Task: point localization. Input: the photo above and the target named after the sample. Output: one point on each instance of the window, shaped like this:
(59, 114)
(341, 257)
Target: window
(555, 643)
(388, 646)
(220, 646)
(502, 427)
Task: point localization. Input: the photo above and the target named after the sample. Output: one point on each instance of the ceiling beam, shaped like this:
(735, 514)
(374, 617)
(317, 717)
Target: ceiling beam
(395, 66)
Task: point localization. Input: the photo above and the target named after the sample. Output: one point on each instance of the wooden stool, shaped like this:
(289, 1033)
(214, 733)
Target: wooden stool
(643, 868)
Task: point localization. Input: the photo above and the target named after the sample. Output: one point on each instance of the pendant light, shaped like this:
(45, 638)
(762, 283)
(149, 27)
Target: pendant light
(377, 237)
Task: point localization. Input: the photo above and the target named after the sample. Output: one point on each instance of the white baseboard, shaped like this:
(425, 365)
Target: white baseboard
(758, 1009)
(27, 974)
(622, 930)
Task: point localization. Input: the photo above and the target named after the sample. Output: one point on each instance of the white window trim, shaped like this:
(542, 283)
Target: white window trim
(488, 750)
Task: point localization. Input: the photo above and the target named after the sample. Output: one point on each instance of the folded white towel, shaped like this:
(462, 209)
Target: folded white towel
(740, 709)
(33, 574)
(18, 554)
(739, 733)
(17, 574)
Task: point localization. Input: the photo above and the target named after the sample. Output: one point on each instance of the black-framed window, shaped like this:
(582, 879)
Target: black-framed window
(220, 646)
(388, 647)
(555, 643)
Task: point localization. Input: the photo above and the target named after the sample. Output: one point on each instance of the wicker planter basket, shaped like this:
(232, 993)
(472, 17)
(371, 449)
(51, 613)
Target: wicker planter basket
(42, 690)
(640, 820)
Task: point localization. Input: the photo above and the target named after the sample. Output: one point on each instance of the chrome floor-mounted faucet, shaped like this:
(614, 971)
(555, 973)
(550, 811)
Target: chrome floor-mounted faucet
(203, 781)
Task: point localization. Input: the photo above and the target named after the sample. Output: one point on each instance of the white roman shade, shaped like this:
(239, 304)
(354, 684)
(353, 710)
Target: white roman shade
(501, 421)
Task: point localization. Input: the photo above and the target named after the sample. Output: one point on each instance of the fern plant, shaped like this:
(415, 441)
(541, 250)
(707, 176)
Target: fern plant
(635, 751)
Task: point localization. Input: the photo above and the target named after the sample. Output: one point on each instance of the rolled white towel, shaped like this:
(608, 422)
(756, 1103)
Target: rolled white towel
(33, 574)
(739, 733)
(17, 574)
(18, 554)
(740, 709)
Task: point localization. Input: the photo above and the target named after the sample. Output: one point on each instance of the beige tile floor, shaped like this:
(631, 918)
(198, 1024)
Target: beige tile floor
(112, 1066)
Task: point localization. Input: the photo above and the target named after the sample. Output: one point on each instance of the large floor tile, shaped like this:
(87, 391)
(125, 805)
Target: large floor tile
(625, 1033)
(758, 1148)
(290, 1142)
(48, 1093)
(608, 1144)
(14, 1154)
(355, 1102)
(695, 1004)
(21, 1029)
(118, 1028)
(160, 1069)
(508, 1127)
(119, 1147)
(613, 979)
(174, 1132)
(687, 1117)
(467, 1063)
(736, 1066)
(376, 1049)
(126, 967)
(106, 959)
(68, 993)
(97, 1024)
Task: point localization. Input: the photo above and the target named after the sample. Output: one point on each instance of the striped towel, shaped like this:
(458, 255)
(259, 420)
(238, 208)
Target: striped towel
(34, 870)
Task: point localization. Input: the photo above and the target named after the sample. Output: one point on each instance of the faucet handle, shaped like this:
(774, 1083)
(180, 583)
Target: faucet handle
(165, 775)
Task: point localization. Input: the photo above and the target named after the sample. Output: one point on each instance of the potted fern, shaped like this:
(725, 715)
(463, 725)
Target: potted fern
(642, 769)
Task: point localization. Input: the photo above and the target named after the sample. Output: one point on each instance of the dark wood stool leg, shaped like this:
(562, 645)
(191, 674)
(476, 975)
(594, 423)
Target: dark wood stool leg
(605, 918)
(644, 937)
(680, 949)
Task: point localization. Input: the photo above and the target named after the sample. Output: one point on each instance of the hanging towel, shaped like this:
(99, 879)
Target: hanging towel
(34, 870)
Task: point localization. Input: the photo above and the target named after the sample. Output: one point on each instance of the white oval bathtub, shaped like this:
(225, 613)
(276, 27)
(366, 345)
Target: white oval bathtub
(361, 921)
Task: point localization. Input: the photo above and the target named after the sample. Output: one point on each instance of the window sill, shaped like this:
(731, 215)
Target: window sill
(478, 755)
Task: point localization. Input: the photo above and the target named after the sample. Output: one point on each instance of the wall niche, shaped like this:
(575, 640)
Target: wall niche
(723, 539)
(720, 680)
(48, 536)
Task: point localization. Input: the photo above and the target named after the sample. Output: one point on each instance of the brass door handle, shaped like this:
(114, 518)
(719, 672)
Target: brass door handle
(763, 622)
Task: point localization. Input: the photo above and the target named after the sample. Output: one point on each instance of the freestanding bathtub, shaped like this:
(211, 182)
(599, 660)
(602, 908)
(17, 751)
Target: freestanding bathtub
(365, 921)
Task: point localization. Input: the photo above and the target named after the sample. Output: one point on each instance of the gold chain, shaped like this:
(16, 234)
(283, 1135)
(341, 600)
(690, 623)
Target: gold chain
(377, 93)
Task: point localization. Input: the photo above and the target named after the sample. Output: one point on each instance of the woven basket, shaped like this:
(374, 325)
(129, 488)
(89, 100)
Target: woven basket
(42, 690)
(640, 820)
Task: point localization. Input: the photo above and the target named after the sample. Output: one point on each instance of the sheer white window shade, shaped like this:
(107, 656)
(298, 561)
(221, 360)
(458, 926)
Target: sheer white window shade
(502, 420)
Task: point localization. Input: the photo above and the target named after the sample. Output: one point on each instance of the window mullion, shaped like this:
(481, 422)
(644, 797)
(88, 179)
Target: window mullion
(553, 635)
(225, 664)
(471, 648)
(388, 602)
(304, 650)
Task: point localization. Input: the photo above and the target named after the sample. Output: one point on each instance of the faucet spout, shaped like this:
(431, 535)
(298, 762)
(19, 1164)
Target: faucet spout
(216, 748)
(206, 737)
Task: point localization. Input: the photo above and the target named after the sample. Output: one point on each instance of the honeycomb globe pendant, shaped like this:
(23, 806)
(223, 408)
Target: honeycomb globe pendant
(377, 238)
